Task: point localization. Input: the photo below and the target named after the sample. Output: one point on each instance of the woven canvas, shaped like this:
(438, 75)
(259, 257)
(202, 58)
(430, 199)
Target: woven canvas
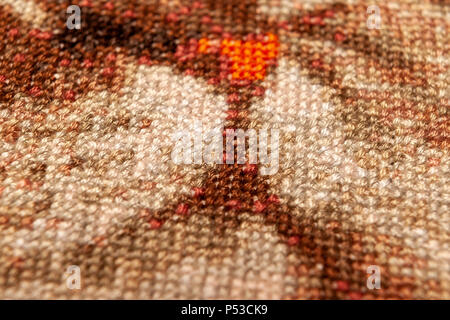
(352, 96)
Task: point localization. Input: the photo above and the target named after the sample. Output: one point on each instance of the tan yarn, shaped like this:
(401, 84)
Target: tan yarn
(87, 119)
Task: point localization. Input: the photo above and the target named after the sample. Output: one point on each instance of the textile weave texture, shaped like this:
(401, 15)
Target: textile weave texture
(87, 118)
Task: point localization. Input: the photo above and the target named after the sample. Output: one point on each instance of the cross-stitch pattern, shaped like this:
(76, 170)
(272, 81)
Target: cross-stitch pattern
(88, 115)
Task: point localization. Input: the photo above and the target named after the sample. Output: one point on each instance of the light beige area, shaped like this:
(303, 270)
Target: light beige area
(319, 167)
(28, 10)
(184, 259)
(124, 167)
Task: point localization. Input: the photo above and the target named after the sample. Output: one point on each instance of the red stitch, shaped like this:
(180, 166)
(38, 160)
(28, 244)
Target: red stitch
(223, 75)
(224, 65)
(184, 10)
(108, 72)
(86, 3)
(226, 35)
(258, 91)
(179, 51)
(283, 25)
(87, 63)
(193, 44)
(155, 223)
(273, 199)
(2, 78)
(47, 35)
(198, 5)
(198, 192)
(25, 184)
(111, 57)
(316, 21)
(129, 14)
(69, 95)
(64, 63)
(13, 32)
(182, 209)
(339, 37)
(251, 169)
(206, 20)
(329, 13)
(342, 285)
(234, 97)
(34, 32)
(355, 295)
(109, 6)
(259, 207)
(233, 204)
(224, 59)
(293, 240)
(35, 92)
(232, 114)
(316, 63)
(172, 17)
(145, 60)
(216, 29)
(213, 81)
(240, 82)
(19, 57)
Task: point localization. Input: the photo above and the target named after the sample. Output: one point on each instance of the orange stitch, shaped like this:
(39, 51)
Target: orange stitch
(250, 58)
